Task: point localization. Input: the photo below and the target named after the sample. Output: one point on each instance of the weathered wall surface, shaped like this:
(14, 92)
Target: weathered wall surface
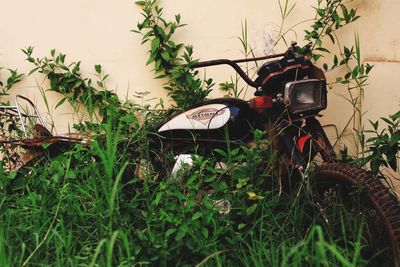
(98, 32)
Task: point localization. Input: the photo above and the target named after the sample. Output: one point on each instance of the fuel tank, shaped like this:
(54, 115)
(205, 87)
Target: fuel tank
(216, 120)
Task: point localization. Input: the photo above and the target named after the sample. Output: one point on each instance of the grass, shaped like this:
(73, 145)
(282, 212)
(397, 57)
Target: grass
(86, 207)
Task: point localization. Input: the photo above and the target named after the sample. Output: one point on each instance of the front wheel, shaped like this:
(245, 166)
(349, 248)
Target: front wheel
(346, 196)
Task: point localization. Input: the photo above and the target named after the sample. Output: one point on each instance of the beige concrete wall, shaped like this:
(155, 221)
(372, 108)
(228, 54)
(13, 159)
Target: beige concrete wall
(98, 32)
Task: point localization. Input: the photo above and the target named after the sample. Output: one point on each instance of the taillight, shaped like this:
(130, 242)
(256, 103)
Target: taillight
(261, 102)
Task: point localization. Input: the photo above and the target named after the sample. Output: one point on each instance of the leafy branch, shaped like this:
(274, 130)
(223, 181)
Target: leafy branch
(172, 61)
(384, 145)
(13, 78)
(67, 80)
(331, 15)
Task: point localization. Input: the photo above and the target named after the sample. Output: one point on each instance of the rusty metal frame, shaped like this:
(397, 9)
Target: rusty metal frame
(16, 110)
(33, 145)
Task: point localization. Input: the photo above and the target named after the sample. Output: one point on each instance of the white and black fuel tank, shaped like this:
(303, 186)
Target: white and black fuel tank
(216, 120)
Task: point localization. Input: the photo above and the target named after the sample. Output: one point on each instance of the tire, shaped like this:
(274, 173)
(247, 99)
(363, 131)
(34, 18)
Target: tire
(365, 197)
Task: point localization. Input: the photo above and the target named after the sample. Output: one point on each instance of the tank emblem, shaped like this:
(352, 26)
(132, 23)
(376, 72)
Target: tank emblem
(205, 115)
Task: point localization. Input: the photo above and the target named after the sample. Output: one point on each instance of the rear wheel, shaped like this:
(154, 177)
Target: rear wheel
(346, 198)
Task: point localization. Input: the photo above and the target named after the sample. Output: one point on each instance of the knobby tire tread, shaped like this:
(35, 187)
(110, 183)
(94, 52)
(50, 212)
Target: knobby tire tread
(386, 204)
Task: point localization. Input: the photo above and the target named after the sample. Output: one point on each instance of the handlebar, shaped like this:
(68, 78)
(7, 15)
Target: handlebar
(234, 64)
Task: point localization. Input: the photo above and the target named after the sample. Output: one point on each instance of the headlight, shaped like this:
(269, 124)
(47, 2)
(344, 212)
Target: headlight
(305, 96)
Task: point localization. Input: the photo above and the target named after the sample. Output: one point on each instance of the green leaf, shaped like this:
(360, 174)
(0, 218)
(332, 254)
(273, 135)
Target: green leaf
(331, 37)
(60, 102)
(179, 236)
(151, 58)
(322, 49)
(155, 44)
(197, 215)
(105, 77)
(158, 65)
(45, 146)
(354, 73)
(387, 121)
(204, 231)
(368, 68)
(316, 56)
(162, 76)
(345, 13)
(178, 18)
(394, 139)
(395, 116)
(97, 68)
(251, 209)
(375, 125)
(336, 19)
(221, 152)
(347, 52)
(165, 55)
(62, 58)
(241, 226)
(141, 3)
(320, 12)
(158, 198)
(335, 60)
(345, 82)
(71, 174)
(32, 71)
(170, 232)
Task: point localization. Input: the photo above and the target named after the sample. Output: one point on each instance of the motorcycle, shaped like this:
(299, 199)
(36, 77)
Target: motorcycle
(290, 92)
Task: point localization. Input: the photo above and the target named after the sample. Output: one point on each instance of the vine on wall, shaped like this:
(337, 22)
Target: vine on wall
(172, 61)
